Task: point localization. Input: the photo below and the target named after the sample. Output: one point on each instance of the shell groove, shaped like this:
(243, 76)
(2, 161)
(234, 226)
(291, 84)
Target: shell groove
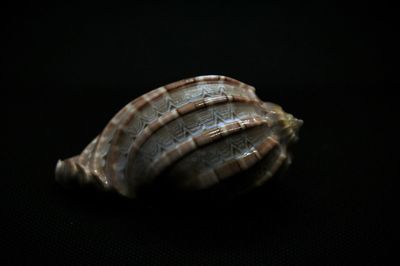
(199, 132)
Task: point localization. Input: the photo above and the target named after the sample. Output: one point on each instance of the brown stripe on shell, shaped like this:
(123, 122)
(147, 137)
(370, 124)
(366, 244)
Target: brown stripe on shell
(249, 159)
(180, 83)
(209, 78)
(98, 157)
(246, 161)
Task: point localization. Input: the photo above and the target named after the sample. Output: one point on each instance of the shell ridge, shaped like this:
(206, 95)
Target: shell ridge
(273, 164)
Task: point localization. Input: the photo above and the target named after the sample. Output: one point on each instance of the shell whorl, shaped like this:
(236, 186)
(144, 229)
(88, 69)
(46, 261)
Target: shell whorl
(202, 130)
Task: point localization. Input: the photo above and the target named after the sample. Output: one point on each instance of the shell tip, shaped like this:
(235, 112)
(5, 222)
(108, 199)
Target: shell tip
(60, 170)
(65, 171)
(299, 122)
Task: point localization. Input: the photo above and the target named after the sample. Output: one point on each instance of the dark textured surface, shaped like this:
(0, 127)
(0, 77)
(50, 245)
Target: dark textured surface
(69, 71)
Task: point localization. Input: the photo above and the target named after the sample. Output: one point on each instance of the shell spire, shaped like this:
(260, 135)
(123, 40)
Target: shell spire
(191, 135)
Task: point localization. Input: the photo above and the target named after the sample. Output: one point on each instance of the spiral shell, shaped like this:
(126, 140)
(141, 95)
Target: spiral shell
(193, 135)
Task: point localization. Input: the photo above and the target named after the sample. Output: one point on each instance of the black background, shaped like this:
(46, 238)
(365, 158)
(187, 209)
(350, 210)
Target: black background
(70, 70)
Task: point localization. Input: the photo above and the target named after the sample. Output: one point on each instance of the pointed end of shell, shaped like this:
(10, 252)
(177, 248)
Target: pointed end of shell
(70, 173)
(60, 171)
(65, 172)
(299, 123)
(59, 165)
(296, 124)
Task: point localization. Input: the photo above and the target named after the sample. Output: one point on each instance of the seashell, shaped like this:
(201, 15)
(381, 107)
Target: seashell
(193, 135)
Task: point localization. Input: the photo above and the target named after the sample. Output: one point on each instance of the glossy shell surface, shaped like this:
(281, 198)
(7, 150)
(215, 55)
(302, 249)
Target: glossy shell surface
(199, 132)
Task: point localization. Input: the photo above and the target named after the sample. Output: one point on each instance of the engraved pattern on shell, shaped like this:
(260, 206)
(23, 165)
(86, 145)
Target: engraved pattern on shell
(199, 132)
